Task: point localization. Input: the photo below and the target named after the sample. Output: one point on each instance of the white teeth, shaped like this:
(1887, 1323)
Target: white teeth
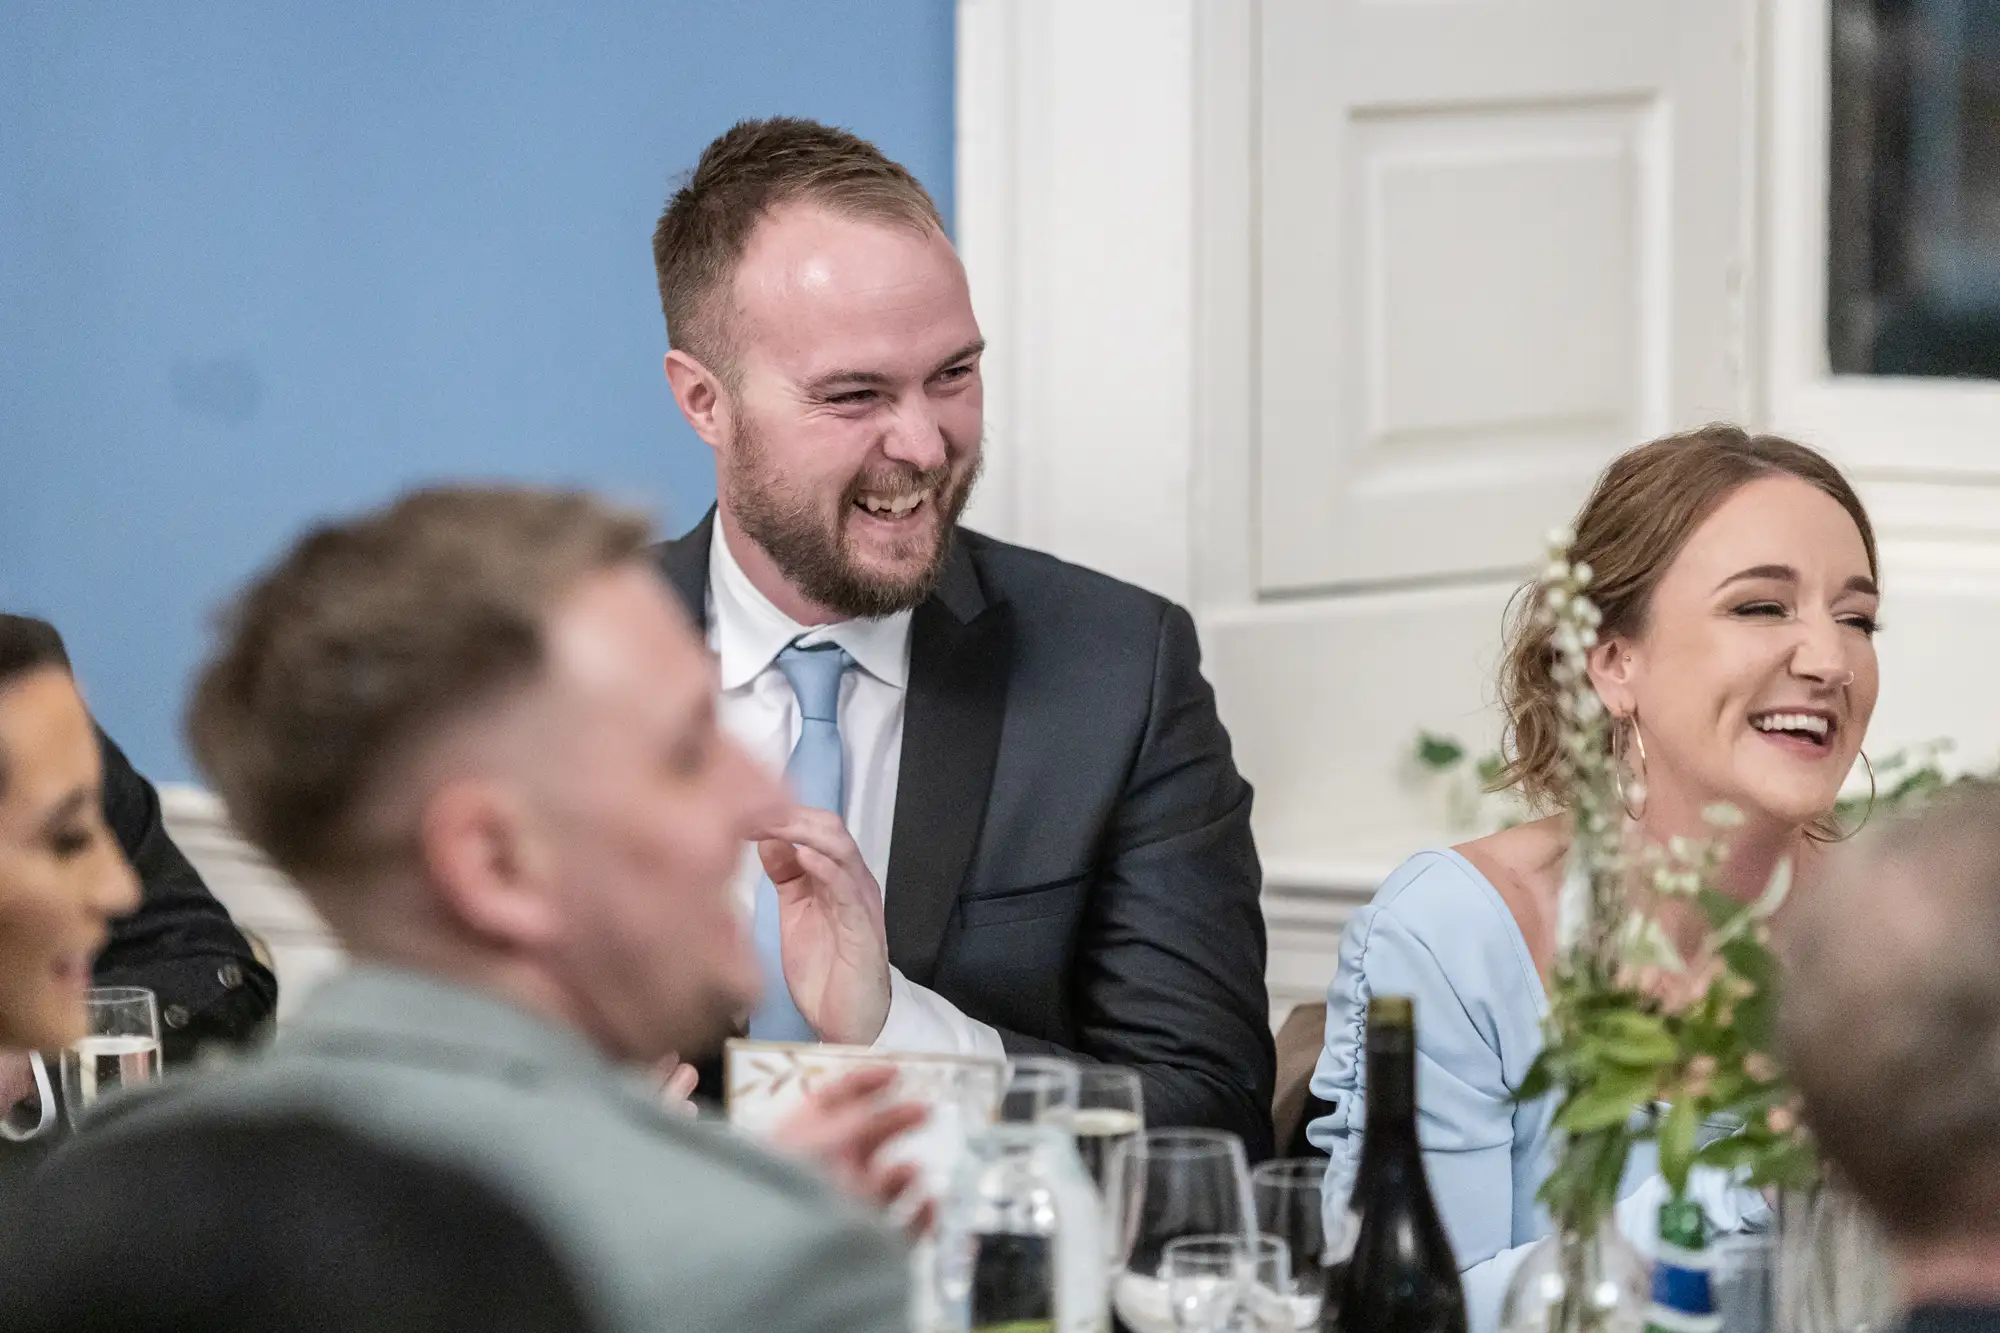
(1807, 722)
(895, 508)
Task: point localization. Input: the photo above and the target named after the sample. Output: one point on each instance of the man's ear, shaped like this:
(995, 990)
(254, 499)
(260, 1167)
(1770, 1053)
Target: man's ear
(698, 392)
(487, 865)
(1612, 672)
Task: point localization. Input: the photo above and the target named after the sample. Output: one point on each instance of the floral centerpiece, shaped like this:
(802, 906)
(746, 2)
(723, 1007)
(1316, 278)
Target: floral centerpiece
(1641, 1041)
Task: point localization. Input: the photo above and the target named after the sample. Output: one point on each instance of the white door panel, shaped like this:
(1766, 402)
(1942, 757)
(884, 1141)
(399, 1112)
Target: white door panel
(1500, 242)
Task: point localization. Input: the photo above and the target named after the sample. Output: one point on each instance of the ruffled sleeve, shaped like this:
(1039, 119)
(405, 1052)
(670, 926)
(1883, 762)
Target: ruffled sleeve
(1438, 932)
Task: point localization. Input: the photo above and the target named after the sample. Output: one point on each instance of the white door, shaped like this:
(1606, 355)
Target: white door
(1501, 240)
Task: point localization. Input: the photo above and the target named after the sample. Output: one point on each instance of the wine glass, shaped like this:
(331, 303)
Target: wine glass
(1040, 1090)
(120, 1047)
(1166, 1184)
(1110, 1110)
(1290, 1200)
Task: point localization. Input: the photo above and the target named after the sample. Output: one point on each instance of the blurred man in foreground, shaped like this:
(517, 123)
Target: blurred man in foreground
(1890, 1019)
(276, 1224)
(477, 731)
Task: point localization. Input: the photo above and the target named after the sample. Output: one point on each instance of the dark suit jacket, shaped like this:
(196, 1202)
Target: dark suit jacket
(1071, 859)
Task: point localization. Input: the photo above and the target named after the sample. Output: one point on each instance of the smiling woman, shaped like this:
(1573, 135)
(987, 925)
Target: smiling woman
(1737, 582)
(62, 877)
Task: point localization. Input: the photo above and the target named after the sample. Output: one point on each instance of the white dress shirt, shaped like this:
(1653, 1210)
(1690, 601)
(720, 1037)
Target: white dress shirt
(759, 709)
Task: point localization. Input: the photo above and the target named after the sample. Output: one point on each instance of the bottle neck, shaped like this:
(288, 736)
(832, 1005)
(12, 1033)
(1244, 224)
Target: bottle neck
(1392, 1089)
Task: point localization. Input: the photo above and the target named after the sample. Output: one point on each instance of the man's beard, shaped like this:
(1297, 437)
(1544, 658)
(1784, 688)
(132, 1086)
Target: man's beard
(809, 546)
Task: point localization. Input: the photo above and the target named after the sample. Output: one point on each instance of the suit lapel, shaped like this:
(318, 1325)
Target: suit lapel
(683, 563)
(960, 652)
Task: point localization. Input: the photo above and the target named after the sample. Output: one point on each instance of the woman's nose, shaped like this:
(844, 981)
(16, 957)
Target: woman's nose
(115, 886)
(1821, 656)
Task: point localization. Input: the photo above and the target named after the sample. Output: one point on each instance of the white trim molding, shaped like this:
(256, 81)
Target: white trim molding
(258, 896)
(1076, 223)
(1926, 432)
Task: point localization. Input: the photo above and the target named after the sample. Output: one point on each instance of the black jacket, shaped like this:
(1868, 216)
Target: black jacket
(180, 943)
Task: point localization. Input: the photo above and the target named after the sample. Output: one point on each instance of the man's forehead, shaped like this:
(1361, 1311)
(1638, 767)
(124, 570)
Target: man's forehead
(881, 287)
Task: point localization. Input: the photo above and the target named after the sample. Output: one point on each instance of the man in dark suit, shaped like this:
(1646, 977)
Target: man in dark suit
(1020, 826)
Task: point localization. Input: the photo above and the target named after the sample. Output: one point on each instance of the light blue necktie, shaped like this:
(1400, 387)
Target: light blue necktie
(817, 774)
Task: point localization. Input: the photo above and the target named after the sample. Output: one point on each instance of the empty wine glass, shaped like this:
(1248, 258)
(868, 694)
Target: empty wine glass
(1040, 1090)
(1290, 1202)
(1169, 1184)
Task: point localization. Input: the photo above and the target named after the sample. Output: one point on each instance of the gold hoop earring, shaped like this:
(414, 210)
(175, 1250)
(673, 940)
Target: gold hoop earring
(1867, 814)
(1618, 769)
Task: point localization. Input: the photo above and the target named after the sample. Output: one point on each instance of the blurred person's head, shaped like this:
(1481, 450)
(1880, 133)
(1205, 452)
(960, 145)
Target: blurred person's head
(1889, 1020)
(479, 731)
(1737, 580)
(235, 1227)
(824, 346)
(62, 876)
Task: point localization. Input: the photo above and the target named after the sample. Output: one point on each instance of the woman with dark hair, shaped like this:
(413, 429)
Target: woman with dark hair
(62, 877)
(1737, 580)
(180, 942)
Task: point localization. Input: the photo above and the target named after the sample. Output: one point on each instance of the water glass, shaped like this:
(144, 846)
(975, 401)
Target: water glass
(1290, 1202)
(1217, 1284)
(120, 1048)
(1205, 1276)
(1165, 1185)
(1745, 1282)
(1040, 1091)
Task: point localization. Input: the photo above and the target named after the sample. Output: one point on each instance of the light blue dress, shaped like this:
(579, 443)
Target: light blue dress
(1439, 932)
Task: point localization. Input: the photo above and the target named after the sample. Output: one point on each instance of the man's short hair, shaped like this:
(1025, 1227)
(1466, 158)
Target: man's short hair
(369, 636)
(1889, 1016)
(754, 168)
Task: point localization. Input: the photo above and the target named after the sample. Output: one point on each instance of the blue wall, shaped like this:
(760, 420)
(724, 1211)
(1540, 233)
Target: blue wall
(260, 262)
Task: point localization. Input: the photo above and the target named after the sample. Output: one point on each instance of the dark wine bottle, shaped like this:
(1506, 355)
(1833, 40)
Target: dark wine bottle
(1402, 1278)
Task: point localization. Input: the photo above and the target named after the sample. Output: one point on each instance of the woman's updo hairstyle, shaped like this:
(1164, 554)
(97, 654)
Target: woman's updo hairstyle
(1642, 512)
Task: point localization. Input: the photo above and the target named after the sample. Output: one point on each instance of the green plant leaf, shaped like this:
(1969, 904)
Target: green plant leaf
(1608, 1101)
(1677, 1147)
(1634, 1040)
(1731, 1152)
(1438, 752)
(1540, 1078)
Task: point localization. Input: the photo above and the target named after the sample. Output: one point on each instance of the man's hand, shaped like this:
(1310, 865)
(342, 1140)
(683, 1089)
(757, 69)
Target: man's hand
(677, 1083)
(835, 946)
(841, 1129)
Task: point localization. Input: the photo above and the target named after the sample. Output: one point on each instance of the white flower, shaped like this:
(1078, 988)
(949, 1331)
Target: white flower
(1555, 598)
(1582, 573)
(1561, 539)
